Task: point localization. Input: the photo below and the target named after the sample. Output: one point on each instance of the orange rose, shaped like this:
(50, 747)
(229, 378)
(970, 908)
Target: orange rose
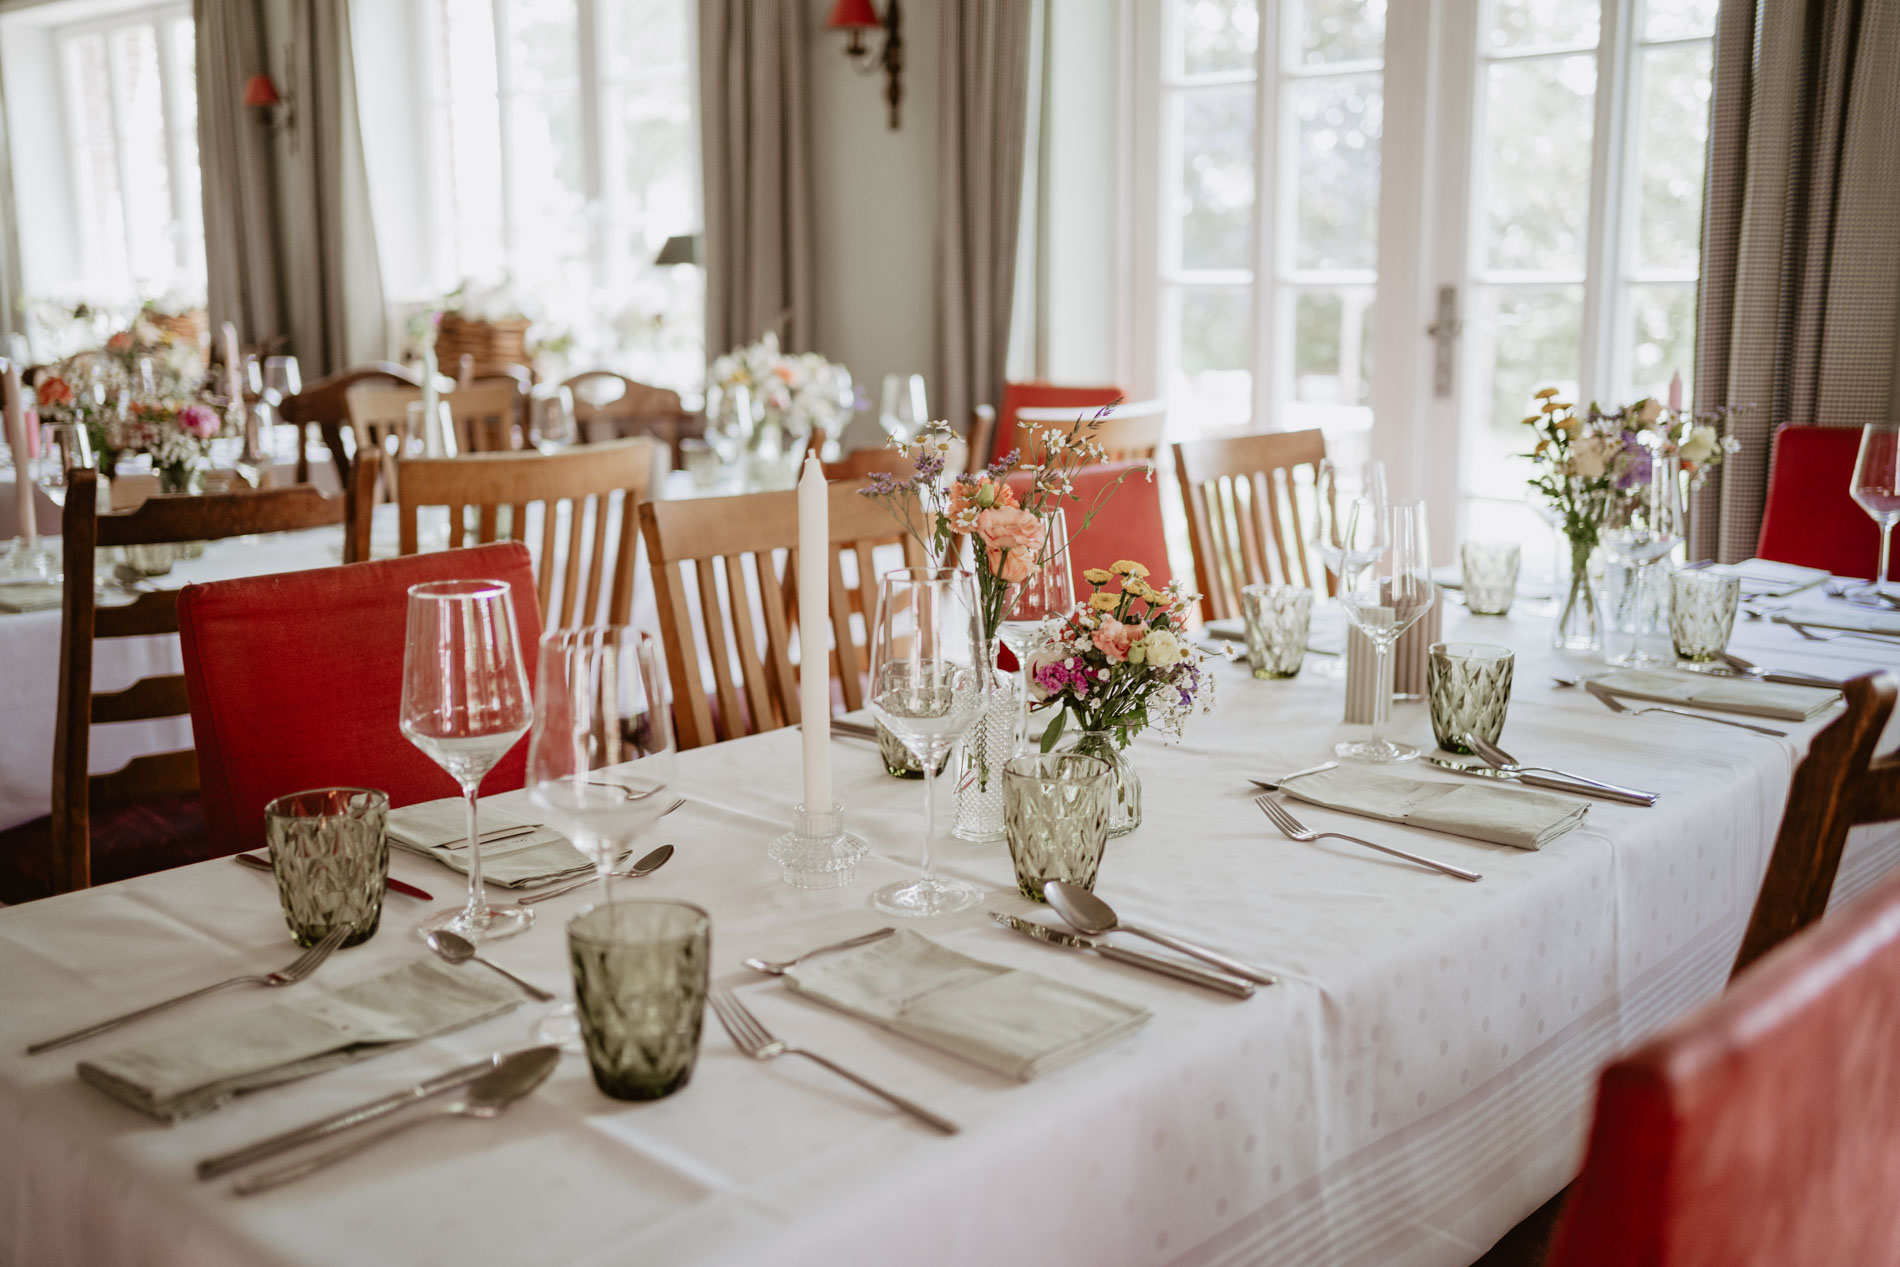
(53, 390)
(1013, 538)
(1112, 638)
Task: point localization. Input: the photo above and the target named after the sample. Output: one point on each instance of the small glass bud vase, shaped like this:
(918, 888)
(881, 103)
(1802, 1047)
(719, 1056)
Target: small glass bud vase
(992, 739)
(1124, 807)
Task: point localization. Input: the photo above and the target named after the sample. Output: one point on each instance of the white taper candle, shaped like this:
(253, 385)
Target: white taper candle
(814, 629)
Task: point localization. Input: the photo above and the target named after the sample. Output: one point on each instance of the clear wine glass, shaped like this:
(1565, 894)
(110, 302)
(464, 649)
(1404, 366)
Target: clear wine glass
(465, 703)
(1877, 489)
(64, 448)
(1046, 594)
(554, 422)
(1641, 525)
(1336, 486)
(282, 378)
(1383, 597)
(926, 662)
(730, 423)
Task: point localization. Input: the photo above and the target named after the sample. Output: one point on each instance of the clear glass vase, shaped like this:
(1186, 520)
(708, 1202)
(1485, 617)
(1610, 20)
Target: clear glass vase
(994, 738)
(1124, 809)
(1579, 624)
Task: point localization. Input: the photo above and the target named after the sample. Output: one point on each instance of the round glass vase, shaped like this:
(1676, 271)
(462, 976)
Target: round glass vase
(994, 738)
(1579, 625)
(1124, 802)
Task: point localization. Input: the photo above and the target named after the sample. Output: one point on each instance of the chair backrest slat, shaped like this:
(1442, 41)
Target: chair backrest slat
(1245, 539)
(326, 403)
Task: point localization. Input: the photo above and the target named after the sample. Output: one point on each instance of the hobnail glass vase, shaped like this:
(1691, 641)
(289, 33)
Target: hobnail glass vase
(1124, 808)
(1579, 624)
(994, 738)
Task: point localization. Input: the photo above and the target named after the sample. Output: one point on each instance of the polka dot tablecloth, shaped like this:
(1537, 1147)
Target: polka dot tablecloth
(1419, 1081)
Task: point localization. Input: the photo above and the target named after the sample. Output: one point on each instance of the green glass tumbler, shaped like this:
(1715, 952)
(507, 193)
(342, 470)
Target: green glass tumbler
(1468, 685)
(1055, 818)
(329, 849)
(641, 972)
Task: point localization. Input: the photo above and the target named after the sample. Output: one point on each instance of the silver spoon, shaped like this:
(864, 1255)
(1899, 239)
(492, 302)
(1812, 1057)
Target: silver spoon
(1499, 759)
(779, 967)
(515, 1076)
(456, 949)
(646, 866)
(1089, 914)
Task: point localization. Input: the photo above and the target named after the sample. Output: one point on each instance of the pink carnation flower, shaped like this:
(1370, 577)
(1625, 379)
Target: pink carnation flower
(198, 421)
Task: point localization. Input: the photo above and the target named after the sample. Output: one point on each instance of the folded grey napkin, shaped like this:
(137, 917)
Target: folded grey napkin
(1843, 616)
(30, 597)
(1724, 694)
(516, 852)
(1765, 578)
(434, 824)
(1521, 817)
(1014, 1023)
(202, 1067)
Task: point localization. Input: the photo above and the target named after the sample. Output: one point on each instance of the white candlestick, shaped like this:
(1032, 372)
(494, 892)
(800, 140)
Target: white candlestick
(14, 403)
(1675, 392)
(814, 672)
(432, 445)
(233, 362)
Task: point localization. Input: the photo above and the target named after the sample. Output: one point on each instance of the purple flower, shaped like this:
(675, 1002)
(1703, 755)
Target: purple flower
(1635, 463)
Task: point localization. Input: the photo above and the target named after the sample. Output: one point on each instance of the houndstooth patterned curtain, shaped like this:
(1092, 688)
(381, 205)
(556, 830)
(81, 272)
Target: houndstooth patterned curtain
(1800, 295)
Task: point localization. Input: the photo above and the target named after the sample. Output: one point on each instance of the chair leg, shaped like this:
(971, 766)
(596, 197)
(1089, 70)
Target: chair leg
(1528, 1244)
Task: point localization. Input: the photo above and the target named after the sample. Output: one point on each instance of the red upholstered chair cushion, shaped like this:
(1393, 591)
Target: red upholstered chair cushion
(1764, 1128)
(1018, 396)
(1127, 527)
(127, 840)
(1811, 517)
(296, 682)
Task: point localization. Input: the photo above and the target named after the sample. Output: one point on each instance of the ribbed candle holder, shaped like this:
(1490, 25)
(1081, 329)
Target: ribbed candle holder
(817, 853)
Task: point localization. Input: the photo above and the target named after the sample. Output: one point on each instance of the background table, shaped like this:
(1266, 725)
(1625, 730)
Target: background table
(1419, 1081)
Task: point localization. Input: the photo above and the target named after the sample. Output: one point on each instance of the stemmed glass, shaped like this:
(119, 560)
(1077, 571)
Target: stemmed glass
(927, 670)
(1046, 594)
(64, 448)
(1383, 597)
(1336, 488)
(1877, 489)
(729, 427)
(1642, 525)
(465, 703)
(901, 409)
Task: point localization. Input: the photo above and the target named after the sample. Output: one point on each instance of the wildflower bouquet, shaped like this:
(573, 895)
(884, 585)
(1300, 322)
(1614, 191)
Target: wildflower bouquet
(176, 434)
(798, 392)
(1118, 663)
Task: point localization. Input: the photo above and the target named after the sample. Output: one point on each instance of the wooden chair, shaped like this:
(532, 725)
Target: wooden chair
(490, 415)
(1128, 433)
(1245, 524)
(1036, 395)
(605, 400)
(861, 463)
(1840, 784)
(721, 554)
(579, 484)
(326, 403)
(168, 780)
(378, 415)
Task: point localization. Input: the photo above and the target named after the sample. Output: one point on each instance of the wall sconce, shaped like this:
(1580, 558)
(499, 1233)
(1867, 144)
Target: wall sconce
(260, 93)
(859, 16)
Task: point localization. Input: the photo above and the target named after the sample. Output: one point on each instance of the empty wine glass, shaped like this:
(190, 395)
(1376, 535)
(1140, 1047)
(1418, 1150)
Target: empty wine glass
(902, 409)
(465, 703)
(1877, 489)
(64, 448)
(1641, 525)
(554, 423)
(282, 379)
(1383, 597)
(1336, 486)
(927, 670)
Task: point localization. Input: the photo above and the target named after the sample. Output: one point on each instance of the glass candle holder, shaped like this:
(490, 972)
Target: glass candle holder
(1490, 576)
(1468, 685)
(1277, 619)
(329, 849)
(1055, 818)
(641, 972)
(1702, 605)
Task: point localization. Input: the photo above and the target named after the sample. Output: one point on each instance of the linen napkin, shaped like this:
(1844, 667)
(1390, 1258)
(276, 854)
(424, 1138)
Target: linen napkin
(1018, 1024)
(1765, 578)
(1724, 694)
(1522, 817)
(1842, 616)
(516, 852)
(434, 824)
(205, 1066)
(30, 597)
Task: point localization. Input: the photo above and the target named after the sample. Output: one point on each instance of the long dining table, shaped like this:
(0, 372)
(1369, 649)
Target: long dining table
(1420, 1079)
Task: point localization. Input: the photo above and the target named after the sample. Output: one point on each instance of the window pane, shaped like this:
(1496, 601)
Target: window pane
(645, 35)
(1522, 24)
(1341, 30)
(468, 153)
(1212, 36)
(1212, 382)
(1538, 125)
(543, 45)
(190, 233)
(1216, 200)
(550, 193)
(1331, 352)
(1662, 337)
(95, 164)
(1674, 123)
(148, 197)
(1337, 210)
(1526, 339)
(1673, 19)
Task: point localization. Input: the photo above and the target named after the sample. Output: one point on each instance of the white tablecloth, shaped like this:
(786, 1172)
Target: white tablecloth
(1419, 1081)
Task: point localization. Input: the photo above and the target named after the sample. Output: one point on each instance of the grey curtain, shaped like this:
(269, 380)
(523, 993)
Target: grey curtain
(755, 152)
(234, 156)
(1800, 295)
(337, 317)
(983, 58)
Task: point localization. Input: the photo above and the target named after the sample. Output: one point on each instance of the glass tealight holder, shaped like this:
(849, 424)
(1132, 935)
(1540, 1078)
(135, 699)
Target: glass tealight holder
(1055, 818)
(817, 853)
(1278, 618)
(1490, 576)
(1468, 685)
(1702, 606)
(329, 849)
(641, 972)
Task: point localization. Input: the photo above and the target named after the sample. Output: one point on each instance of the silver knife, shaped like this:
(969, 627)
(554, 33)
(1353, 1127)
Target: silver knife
(1154, 963)
(323, 1128)
(1580, 787)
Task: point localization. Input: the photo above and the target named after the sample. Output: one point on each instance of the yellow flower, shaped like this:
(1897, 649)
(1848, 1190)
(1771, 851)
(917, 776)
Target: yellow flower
(1531, 421)
(1128, 567)
(1098, 576)
(1546, 394)
(1103, 602)
(1551, 406)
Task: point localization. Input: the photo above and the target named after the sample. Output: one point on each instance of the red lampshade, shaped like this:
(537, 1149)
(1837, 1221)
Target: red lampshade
(849, 15)
(260, 91)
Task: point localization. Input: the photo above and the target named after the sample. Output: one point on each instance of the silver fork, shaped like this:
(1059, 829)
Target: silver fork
(302, 966)
(757, 1042)
(1616, 705)
(1293, 829)
(779, 967)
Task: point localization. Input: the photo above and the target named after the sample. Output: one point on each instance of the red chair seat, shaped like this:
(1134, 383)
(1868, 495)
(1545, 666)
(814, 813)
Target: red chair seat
(1811, 518)
(1128, 526)
(127, 840)
(1020, 396)
(296, 682)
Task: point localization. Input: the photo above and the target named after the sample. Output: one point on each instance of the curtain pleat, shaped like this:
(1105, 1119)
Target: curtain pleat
(236, 173)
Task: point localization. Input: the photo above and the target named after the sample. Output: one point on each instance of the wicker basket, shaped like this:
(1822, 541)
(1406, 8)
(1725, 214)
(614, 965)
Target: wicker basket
(489, 342)
(192, 328)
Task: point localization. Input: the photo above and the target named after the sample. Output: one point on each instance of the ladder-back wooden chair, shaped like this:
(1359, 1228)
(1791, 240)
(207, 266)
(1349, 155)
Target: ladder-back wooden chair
(379, 419)
(883, 459)
(1839, 785)
(1127, 433)
(587, 499)
(144, 817)
(1246, 522)
(982, 438)
(605, 401)
(490, 416)
(326, 403)
(722, 555)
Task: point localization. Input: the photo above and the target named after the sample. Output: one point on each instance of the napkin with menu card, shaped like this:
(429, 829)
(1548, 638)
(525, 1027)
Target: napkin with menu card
(1776, 700)
(1842, 616)
(1521, 817)
(31, 597)
(1765, 578)
(516, 852)
(203, 1066)
(1018, 1024)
